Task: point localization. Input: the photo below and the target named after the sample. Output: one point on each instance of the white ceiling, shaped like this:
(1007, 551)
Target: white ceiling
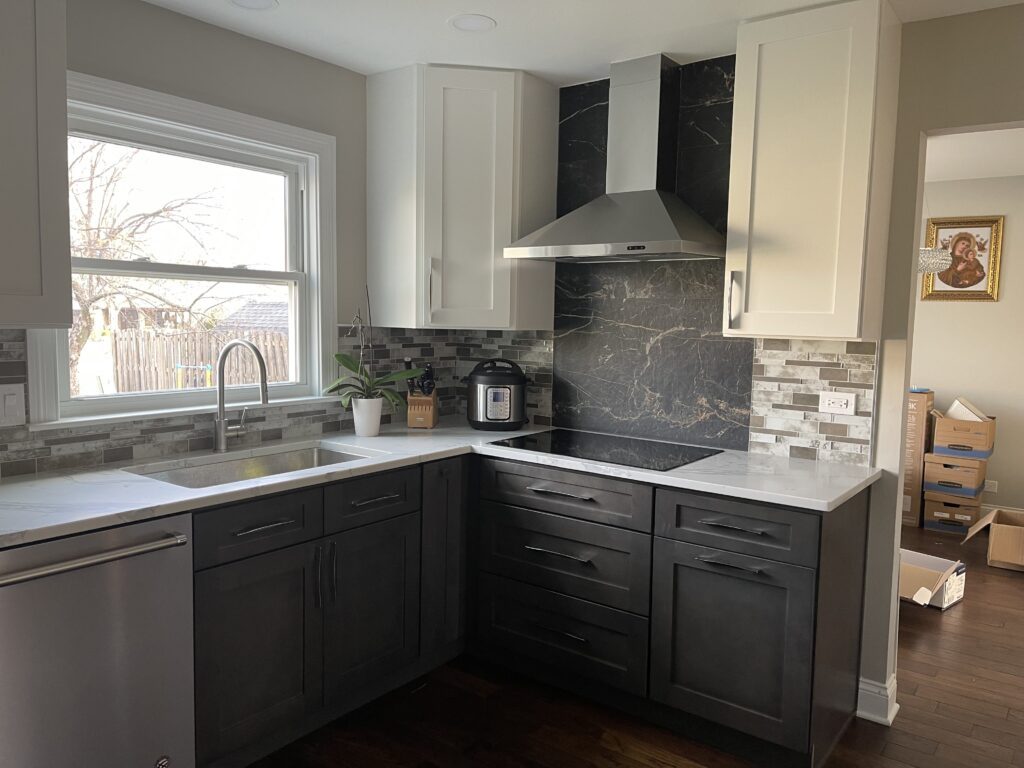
(564, 41)
(978, 155)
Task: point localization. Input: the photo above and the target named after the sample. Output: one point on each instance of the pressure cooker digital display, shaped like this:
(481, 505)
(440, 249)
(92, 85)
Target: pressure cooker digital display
(499, 403)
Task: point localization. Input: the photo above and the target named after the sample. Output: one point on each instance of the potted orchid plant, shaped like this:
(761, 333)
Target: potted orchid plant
(359, 387)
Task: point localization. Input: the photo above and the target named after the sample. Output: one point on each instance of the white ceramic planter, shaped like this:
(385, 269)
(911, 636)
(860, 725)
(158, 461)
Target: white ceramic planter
(366, 411)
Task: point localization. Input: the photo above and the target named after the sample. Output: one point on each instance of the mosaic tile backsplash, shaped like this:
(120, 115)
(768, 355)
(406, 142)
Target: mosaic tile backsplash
(452, 353)
(789, 374)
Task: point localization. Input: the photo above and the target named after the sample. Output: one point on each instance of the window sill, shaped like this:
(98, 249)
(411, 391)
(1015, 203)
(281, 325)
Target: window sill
(167, 413)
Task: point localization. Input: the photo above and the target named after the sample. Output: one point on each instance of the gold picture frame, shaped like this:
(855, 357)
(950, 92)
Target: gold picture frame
(974, 274)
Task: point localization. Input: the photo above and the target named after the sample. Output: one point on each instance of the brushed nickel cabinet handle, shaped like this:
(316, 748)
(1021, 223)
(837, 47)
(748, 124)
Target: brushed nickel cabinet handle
(265, 527)
(318, 600)
(333, 556)
(719, 524)
(109, 556)
(723, 564)
(554, 492)
(569, 635)
(728, 300)
(574, 558)
(377, 500)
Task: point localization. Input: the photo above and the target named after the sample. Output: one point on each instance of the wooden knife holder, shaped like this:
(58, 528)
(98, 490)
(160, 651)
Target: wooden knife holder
(423, 411)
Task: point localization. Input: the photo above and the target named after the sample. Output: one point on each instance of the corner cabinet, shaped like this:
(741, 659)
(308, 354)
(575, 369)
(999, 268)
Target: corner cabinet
(36, 256)
(460, 162)
(811, 176)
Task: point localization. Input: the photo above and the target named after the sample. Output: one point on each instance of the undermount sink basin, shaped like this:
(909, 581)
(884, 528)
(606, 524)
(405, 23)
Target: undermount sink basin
(249, 468)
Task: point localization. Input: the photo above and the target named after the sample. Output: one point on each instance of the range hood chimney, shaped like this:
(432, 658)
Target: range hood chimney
(639, 217)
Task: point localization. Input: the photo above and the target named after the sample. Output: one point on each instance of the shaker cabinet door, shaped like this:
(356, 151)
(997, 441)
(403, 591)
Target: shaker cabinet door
(258, 625)
(35, 259)
(800, 176)
(372, 604)
(731, 640)
(469, 136)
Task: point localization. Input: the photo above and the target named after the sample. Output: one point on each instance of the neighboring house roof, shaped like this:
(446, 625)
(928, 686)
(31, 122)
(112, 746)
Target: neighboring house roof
(257, 316)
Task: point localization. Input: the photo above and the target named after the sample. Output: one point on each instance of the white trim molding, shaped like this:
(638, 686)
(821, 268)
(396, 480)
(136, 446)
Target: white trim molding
(877, 701)
(112, 110)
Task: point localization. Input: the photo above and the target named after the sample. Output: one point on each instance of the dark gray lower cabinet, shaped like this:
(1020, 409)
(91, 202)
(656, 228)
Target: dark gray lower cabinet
(732, 640)
(443, 591)
(258, 625)
(372, 613)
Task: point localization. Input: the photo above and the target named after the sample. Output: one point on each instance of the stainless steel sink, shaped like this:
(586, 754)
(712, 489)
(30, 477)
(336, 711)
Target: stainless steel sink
(249, 468)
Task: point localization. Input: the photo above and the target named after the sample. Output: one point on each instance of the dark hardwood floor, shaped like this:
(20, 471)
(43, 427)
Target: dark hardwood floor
(961, 690)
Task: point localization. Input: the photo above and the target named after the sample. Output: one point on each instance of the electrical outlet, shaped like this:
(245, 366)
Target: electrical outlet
(837, 402)
(991, 486)
(12, 405)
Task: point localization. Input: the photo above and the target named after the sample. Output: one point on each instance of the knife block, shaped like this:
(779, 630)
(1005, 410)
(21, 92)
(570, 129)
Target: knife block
(423, 411)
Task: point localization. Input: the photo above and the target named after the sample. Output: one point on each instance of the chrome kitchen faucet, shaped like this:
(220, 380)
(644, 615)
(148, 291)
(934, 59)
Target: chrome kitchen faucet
(221, 429)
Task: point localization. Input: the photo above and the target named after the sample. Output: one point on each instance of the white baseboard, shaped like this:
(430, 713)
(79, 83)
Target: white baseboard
(877, 701)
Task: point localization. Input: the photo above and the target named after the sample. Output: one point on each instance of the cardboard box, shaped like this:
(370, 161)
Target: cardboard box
(919, 408)
(963, 430)
(1005, 538)
(929, 580)
(955, 475)
(950, 514)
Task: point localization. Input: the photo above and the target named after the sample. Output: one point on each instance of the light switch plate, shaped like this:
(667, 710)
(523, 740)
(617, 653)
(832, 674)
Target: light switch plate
(12, 405)
(991, 486)
(837, 402)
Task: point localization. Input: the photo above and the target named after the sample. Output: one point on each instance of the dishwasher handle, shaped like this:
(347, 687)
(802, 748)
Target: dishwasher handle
(52, 569)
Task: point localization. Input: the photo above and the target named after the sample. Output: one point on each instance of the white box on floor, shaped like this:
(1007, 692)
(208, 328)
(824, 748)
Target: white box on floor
(929, 580)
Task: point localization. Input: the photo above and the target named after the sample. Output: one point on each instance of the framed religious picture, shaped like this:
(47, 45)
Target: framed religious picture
(975, 245)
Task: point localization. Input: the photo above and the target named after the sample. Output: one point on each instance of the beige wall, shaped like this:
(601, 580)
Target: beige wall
(968, 348)
(133, 42)
(941, 90)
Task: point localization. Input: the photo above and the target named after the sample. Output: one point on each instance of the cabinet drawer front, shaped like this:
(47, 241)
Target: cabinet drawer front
(371, 499)
(772, 532)
(242, 530)
(731, 640)
(595, 562)
(583, 638)
(576, 494)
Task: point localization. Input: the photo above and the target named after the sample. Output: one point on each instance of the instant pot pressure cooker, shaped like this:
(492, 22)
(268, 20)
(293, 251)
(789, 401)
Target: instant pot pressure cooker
(497, 395)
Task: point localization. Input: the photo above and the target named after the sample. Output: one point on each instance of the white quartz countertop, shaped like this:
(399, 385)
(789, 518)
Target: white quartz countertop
(56, 504)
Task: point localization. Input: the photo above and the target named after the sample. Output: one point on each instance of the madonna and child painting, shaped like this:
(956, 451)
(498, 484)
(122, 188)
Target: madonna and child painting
(974, 243)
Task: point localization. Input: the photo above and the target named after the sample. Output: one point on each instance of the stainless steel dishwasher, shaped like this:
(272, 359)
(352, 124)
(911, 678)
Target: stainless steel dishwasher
(96, 650)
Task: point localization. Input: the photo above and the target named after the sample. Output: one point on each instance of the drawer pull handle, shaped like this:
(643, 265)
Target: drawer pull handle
(719, 524)
(377, 500)
(265, 527)
(553, 492)
(574, 558)
(569, 635)
(723, 564)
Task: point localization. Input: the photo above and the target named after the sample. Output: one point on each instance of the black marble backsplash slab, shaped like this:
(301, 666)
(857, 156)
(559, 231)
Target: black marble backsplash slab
(582, 144)
(638, 351)
(638, 348)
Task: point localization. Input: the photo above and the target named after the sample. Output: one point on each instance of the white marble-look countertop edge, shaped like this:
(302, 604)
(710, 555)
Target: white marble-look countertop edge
(59, 504)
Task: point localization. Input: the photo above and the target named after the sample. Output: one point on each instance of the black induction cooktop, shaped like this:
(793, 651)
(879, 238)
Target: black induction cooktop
(627, 451)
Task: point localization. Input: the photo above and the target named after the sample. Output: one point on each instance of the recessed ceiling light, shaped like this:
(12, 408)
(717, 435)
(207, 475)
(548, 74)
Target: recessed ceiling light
(256, 5)
(472, 22)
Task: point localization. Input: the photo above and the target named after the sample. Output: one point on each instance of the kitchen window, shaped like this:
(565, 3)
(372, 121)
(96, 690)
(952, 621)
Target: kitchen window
(190, 226)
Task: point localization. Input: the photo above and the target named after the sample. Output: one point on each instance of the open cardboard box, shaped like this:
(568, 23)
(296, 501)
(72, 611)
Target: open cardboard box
(963, 430)
(1005, 538)
(929, 580)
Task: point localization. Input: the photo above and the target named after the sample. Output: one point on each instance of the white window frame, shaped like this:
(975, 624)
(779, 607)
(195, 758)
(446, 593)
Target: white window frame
(109, 110)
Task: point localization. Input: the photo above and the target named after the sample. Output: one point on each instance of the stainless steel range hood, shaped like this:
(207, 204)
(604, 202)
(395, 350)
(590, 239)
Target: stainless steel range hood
(639, 218)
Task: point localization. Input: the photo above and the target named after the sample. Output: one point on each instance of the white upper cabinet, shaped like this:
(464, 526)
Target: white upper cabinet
(461, 162)
(35, 255)
(813, 135)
